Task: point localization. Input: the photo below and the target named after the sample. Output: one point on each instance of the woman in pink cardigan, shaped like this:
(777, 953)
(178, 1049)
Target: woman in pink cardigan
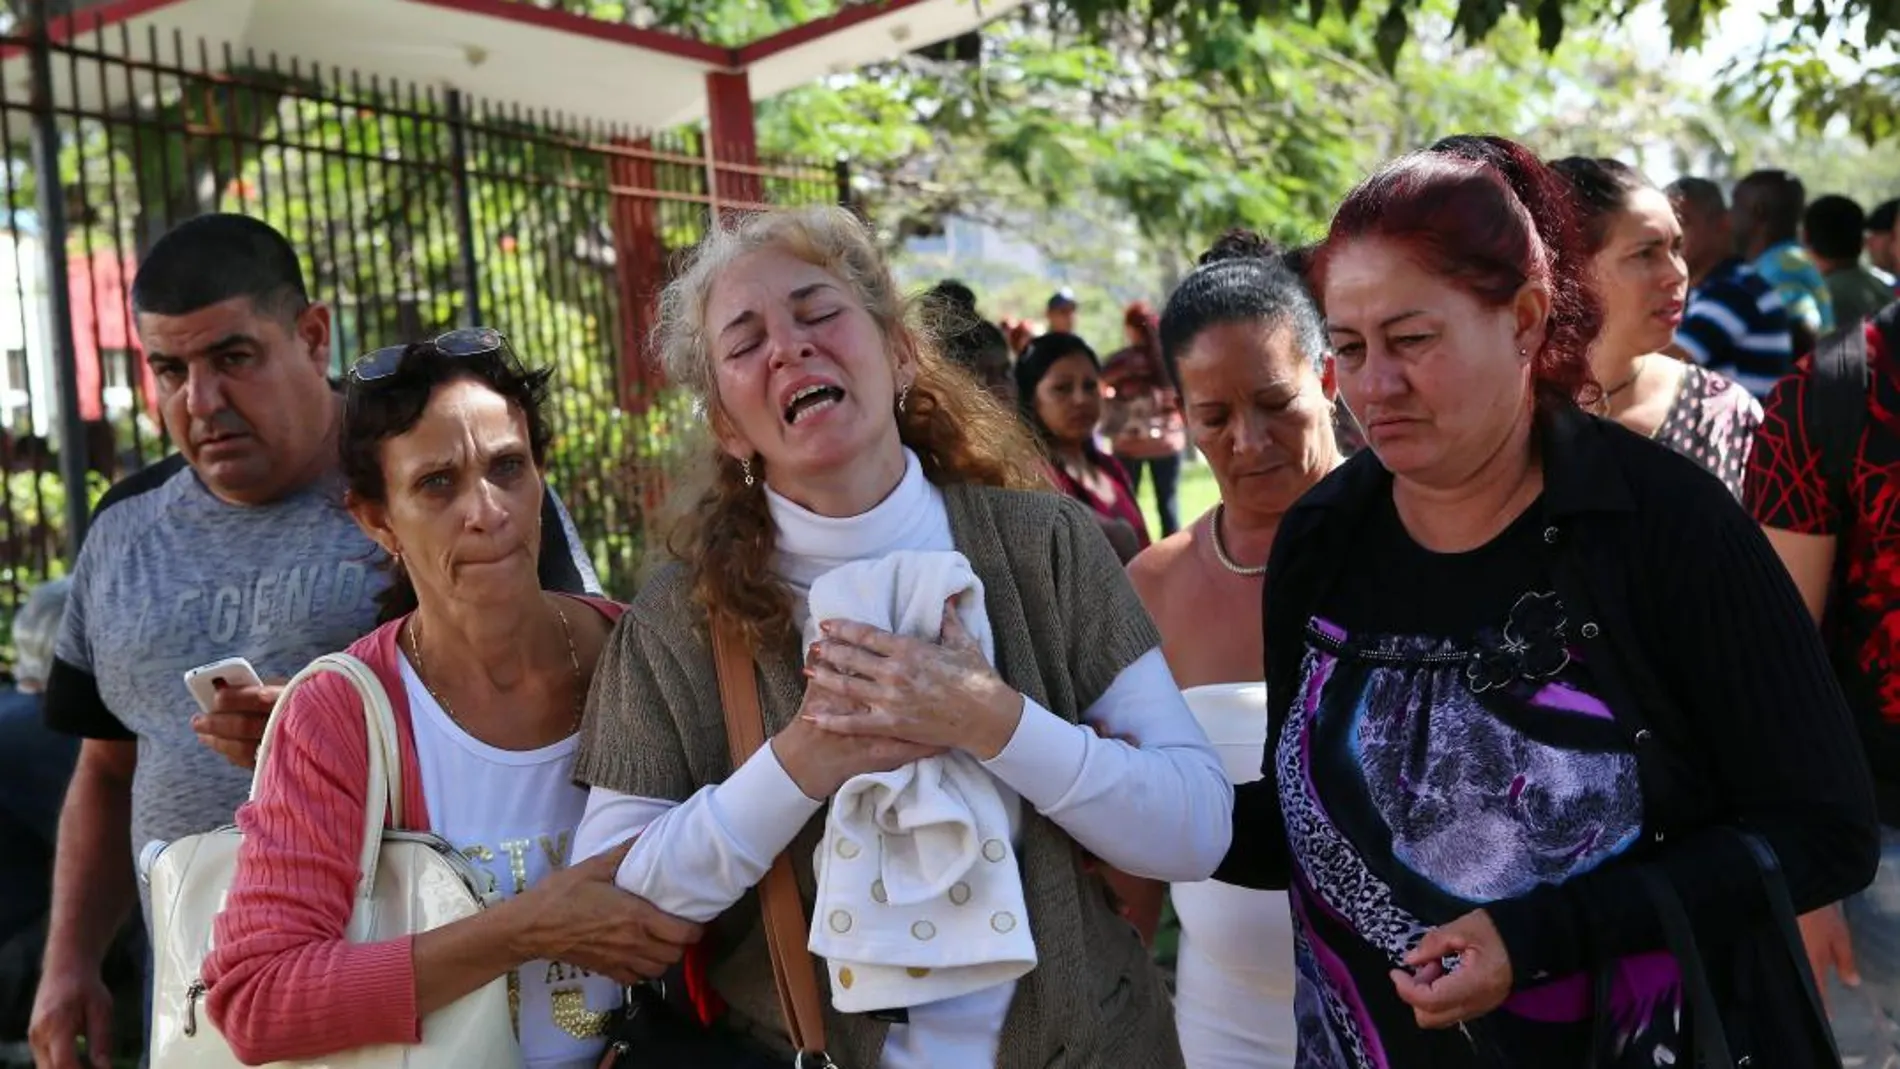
(442, 445)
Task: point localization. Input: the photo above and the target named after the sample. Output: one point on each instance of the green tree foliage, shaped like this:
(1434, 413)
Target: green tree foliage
(1244, 123)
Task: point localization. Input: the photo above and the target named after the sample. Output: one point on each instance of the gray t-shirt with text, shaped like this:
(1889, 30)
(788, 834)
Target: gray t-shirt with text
(173, 578)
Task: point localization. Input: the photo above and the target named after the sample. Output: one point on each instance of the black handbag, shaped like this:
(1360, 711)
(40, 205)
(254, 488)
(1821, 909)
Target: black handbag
(649, 1029)
(1752, 1002)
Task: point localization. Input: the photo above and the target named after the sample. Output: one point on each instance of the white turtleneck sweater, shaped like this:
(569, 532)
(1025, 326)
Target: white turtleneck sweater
(1160, 807)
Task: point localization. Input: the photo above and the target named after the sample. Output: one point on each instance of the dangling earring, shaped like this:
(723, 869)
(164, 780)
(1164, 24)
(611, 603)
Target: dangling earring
(903, 396)
(745, 466)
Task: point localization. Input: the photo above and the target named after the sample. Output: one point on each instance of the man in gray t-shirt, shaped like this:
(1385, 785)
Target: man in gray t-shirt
(236, 547)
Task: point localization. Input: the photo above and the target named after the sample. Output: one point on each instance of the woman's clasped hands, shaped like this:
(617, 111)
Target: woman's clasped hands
(942, 694)
(877, 700)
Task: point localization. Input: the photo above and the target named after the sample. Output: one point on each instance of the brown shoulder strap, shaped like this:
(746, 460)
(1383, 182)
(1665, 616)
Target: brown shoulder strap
(793, 970)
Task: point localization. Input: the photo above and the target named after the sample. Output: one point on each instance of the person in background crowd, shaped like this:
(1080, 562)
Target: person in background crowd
(1059, 392)
(1634, 241)
(1019, 333)
(234, 546)
(35, 765)
(974, 343)
(1060, 317)
(1734, 323)
(1883, 240)
(1834, 232)
(1516, 688)
(443, 446)
(1143, 423)
(1257, 383)
(1083, 731)
(1768, 207)
(1842, 546)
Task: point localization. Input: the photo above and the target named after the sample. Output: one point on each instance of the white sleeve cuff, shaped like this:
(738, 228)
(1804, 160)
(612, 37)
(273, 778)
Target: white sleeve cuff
(760, 807)
(1044, 757)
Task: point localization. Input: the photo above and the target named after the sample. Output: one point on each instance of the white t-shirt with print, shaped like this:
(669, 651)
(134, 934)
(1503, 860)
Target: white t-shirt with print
(513, 812)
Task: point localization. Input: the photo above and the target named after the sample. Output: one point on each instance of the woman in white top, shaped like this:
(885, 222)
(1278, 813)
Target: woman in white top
(842, 437)
(443, 444)
(1258, 389)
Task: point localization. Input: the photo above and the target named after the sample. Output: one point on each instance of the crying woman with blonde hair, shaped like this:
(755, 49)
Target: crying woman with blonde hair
(841, 444)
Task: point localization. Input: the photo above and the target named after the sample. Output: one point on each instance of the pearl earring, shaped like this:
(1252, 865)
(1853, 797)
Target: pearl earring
(745, 466)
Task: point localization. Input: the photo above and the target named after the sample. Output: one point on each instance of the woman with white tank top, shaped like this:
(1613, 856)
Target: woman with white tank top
(1257, 386)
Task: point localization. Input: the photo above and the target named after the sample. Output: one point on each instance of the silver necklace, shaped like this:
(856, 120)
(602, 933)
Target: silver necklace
(1220, 548)
(573, 658)
(1642, 363)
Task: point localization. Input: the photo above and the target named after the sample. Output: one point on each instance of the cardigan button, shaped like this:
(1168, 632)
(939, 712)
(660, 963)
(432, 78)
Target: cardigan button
(1550, 535)
(1591, 630)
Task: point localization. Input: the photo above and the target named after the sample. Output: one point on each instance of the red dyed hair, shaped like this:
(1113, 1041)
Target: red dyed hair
(1487, 215)
(1138, 316)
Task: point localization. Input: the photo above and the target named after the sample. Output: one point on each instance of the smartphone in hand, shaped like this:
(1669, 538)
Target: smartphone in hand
(206, 680)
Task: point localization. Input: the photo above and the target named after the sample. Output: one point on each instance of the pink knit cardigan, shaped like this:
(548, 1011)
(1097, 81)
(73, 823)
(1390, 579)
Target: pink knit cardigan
(282, 982)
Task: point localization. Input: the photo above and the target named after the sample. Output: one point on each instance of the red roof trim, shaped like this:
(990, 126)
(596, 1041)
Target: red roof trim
(92, 18)
(67, 27)
(805, 33)
(652, 40)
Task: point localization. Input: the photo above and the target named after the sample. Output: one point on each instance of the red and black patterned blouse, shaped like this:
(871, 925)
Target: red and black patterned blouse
(1786, 490)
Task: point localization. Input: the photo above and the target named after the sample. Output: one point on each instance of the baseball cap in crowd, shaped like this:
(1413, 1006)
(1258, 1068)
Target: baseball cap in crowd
(1881, 219)
(1062, 298)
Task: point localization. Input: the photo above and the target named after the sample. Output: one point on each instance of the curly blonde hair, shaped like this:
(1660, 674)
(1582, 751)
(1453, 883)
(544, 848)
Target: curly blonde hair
(723, 532)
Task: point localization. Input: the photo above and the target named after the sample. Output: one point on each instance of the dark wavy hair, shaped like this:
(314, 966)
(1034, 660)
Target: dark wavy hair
(384, 408)
(1487, 215)
(1602, 189)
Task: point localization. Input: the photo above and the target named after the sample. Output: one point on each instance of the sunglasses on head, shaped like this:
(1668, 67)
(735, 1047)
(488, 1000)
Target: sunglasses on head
(464, 342)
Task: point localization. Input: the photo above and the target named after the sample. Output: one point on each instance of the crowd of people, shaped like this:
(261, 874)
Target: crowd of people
(1528, 697)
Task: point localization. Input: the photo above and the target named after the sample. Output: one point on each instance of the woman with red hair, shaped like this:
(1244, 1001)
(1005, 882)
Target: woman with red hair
(1521, 724)
(1143, 412)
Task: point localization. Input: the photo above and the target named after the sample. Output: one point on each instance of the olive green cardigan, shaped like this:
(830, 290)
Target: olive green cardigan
(1066, 623)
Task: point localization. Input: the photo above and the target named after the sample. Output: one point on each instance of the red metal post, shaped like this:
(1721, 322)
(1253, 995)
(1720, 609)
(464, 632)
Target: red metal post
(640, 270)
(734, 138)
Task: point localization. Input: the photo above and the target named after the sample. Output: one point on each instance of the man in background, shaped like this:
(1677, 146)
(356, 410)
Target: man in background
(1834, 230)
(969, 340)
(1768, 209)
(1882, 250)
(1734, 322)
(1060, 317)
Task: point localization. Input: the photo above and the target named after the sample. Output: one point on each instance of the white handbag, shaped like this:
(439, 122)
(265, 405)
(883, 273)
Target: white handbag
(409, 882)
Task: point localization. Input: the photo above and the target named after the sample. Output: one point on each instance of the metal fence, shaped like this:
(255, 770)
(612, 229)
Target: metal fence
(413, 210)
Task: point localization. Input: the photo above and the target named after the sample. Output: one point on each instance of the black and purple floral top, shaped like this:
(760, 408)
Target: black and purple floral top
(1447, 750)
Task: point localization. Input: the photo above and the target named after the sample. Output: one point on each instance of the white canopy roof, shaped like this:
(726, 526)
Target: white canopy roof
(500, 50)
